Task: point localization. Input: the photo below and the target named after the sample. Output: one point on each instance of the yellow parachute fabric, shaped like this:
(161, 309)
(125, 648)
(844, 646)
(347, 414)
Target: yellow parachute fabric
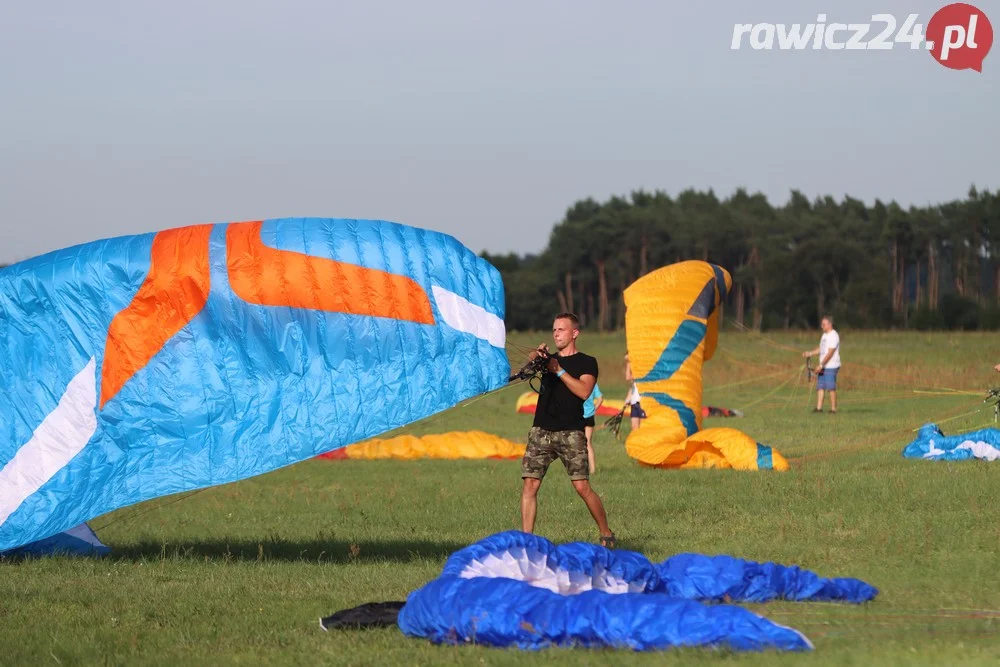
(452, 445)
(672, 328)
(528, 401)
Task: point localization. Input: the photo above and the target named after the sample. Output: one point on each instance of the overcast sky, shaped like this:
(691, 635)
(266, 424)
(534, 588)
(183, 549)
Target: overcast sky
(482, 119)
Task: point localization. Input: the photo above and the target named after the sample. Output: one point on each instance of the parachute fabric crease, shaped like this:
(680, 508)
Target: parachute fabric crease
(932, 444)
(517, 589)
(148, 365)
(672, 328)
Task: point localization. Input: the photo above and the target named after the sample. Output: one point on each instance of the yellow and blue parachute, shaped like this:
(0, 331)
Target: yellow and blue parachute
(152, 364)
(672, 328)
(514, 589)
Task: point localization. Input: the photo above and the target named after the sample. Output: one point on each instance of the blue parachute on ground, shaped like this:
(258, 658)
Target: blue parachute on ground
(147, 365)
(933, 445)
(516, 589)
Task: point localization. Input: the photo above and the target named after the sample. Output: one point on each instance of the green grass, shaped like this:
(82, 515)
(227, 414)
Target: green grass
(241, 573)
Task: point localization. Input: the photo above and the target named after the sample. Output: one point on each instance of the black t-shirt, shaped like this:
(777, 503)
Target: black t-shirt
(558, 409)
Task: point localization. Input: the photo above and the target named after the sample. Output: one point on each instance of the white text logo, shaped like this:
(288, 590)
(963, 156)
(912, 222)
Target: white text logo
(958, 35)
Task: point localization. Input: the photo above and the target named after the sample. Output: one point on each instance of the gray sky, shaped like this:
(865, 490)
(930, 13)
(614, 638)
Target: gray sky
(482, 119)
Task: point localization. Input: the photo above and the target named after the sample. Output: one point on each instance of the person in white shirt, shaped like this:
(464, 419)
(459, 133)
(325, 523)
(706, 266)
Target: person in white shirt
(829, 364)
(636, 413)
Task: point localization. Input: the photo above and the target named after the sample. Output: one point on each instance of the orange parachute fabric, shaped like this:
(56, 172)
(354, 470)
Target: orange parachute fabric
(451, 445)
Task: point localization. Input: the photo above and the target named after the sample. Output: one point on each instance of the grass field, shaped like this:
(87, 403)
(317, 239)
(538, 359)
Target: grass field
(241, 573)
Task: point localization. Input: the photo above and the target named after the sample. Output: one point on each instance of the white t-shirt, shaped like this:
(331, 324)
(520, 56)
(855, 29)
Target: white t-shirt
(633, 395)
(827, 342)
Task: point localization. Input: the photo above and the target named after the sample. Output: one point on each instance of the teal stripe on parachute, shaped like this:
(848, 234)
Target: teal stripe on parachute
(685, 341)
(684, 412)
(764, 460)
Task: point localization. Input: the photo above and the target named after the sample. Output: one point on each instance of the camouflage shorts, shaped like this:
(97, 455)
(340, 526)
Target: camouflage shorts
(544, 447)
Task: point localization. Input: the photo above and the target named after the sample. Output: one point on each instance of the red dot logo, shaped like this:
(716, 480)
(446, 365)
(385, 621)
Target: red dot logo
(961, 36)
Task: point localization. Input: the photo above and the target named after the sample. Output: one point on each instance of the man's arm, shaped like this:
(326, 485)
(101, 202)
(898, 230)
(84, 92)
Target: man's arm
(813, 353)
(581, 387)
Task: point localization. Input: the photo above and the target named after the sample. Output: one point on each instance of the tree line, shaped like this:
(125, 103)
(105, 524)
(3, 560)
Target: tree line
(876, 267)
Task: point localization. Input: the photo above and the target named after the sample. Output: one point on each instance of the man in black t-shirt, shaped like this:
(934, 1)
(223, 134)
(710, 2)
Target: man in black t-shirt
(558, 429)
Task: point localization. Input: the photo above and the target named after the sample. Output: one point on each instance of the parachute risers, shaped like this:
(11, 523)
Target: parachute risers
(672, 328)
(451, 445)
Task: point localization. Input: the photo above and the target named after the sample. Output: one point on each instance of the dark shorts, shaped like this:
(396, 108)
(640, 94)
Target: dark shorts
(589, 421)
(637, 411)
(544, 447)
(828, 380)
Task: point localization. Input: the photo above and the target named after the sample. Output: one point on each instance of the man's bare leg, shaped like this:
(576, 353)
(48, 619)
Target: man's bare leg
(529, 503)
(833, 400)
(819, 400)
(594, 504)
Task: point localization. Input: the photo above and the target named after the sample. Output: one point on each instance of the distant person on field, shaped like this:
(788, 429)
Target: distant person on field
(636, 412)
(590, 408)
(558, 431)
(829, 364)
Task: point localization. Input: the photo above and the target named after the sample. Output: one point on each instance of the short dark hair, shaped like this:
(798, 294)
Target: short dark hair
(828, 318)
(571, 317)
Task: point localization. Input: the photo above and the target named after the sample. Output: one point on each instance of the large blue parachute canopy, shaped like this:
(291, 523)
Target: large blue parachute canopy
(152, 364)
(516, 589)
